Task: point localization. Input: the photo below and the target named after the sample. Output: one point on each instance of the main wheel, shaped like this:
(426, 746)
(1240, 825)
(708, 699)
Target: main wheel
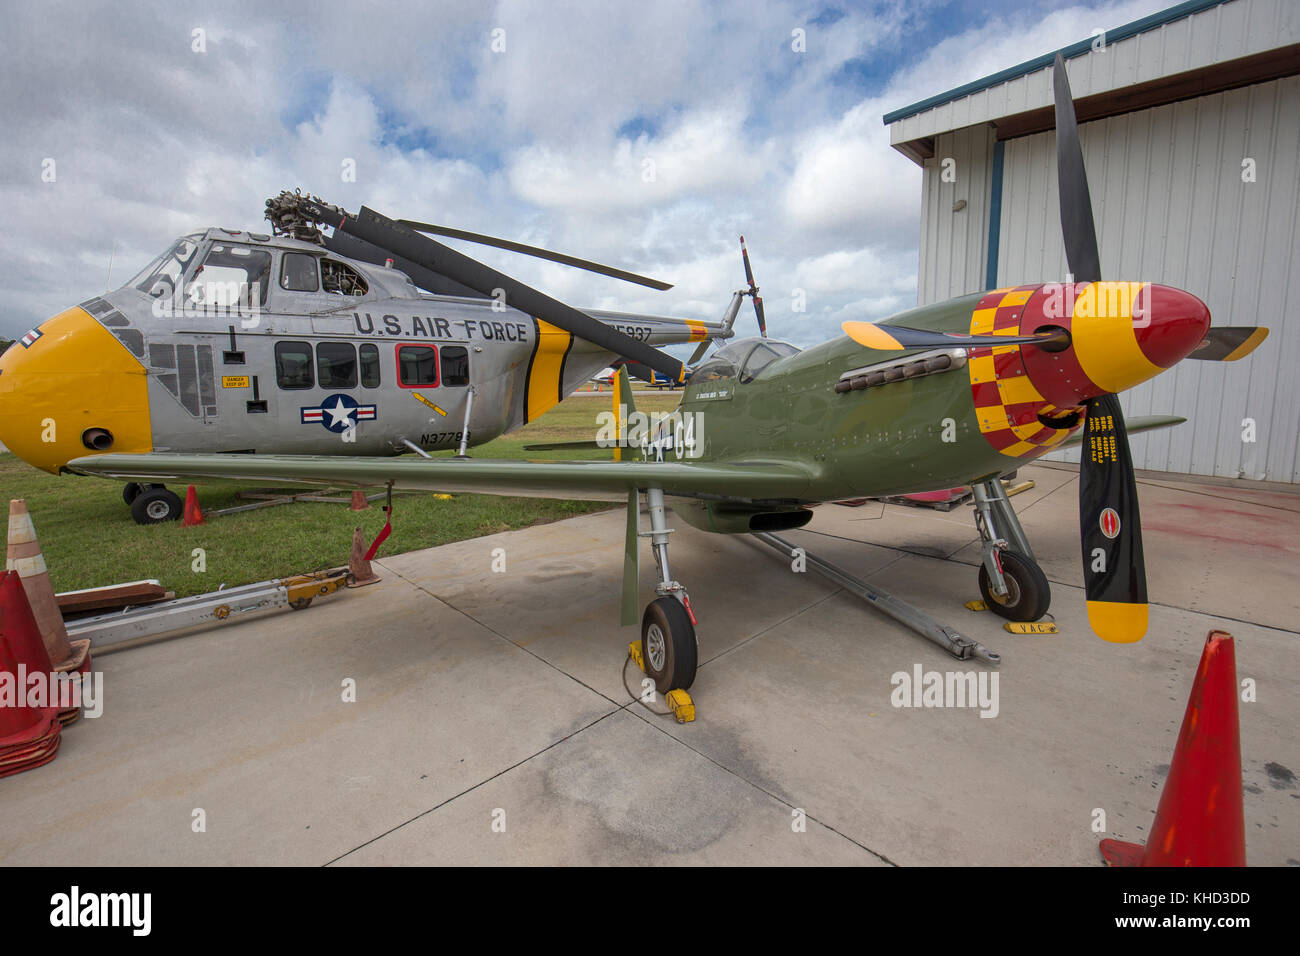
(1028, 593)
(668, 645)
(156, 505)
(131, 491)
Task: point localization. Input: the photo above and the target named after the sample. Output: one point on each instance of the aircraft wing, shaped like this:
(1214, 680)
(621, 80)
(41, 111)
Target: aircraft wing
(581, 480)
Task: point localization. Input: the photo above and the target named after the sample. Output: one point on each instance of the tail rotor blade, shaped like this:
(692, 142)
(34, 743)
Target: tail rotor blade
(1110, 529)
(759, 314)
(1077, 224)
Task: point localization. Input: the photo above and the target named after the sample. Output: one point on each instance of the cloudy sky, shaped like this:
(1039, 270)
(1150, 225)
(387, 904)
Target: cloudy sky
(645, 135)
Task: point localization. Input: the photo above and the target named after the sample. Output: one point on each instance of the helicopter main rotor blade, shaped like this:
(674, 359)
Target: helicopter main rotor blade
(404, 242)
(537, 252)
(1077, 226)
(346, 244)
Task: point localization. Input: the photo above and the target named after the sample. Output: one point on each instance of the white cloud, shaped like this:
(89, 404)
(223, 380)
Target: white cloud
(544, 143)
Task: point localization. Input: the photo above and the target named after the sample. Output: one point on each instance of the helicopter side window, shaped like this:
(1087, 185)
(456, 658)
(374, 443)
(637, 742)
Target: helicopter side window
(298, 272)
(370, 366)
(455, 365)
(230, 277)
(293, 365)
(341, 279)
(417, 366)
(336, 365)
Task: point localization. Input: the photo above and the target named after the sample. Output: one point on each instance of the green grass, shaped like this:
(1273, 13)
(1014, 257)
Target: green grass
(89, 539)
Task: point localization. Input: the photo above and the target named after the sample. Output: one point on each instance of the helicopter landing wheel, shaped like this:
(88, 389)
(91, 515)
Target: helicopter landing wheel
(668, 645)
(1028, 593)
(131, 491)
(155, 504)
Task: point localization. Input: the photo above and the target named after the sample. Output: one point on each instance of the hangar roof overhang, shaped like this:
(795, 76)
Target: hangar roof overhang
(1192, 49)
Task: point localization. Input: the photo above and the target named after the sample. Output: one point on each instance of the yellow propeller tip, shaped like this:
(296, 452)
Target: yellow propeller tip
(1118, 621)
(872, 336)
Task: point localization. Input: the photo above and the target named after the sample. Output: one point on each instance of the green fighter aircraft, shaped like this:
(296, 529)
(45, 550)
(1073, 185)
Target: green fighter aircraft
(956, 393)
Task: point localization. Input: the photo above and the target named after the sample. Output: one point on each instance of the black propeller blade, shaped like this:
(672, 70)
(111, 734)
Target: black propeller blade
(537, 252)
(1109, 525)
(1072, 182)
(753, 291)
(1110, 528)
(405, 243)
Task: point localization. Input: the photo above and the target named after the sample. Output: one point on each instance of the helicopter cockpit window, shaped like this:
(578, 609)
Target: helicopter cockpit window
(341, 278)
(763, 355)
(298, 272)
(231, 276)
(160, 278)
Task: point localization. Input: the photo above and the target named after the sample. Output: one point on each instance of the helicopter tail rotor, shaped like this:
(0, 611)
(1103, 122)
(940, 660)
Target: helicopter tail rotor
(753, 291)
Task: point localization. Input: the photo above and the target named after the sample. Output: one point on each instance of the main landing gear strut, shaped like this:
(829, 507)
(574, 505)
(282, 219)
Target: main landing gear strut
(668, 644)
(1012, 583)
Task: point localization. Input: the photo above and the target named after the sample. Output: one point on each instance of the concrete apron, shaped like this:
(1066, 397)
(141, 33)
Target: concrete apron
(491, 724)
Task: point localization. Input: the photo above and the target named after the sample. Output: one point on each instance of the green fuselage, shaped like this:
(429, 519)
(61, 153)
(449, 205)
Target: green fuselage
(905, 436)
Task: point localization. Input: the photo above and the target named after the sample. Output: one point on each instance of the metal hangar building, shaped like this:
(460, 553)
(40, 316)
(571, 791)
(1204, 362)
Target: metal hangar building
(1190, 125)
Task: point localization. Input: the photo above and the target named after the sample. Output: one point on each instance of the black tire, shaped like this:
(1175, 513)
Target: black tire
(156, 505)
(1028, 593)
(131, 492)
(668, 641)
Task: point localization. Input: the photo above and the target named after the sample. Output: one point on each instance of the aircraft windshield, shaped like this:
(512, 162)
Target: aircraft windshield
(160, 277)
(761, 356)
(745, 358)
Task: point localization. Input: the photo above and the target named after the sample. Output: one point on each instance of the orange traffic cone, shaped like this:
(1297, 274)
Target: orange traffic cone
(29, 736)
(359, 502)
(360, 573)
(25, 639)
(193, 513)
(24, 557)
(1199, 820)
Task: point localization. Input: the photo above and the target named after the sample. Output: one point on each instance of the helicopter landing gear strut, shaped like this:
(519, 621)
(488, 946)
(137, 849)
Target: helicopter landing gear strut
(1011, 582)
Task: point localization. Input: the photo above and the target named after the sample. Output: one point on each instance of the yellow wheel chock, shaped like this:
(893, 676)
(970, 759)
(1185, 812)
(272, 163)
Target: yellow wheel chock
(682, 706)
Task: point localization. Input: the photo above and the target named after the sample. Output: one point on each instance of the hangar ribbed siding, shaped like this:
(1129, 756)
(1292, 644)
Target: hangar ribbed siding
(1171, 207)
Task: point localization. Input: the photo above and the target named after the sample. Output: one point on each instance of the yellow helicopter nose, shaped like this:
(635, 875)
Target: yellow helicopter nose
(70, 389)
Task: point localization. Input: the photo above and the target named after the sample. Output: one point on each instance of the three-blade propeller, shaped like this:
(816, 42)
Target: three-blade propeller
(1110, 534)
(1110, 531)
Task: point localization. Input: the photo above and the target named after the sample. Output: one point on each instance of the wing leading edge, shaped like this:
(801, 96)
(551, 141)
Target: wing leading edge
(581, 480)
